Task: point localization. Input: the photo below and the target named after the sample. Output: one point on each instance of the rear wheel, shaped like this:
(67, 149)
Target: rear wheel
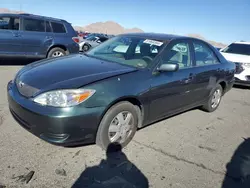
(118, 125)
(214, 100)
(56, 52)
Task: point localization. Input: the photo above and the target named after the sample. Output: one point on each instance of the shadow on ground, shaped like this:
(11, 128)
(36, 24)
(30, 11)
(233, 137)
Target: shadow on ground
(241, 87)
(238, 169)
(114, 172)
(15, 62)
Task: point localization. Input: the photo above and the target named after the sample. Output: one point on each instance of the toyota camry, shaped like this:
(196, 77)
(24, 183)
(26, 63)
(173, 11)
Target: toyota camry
(130, 81)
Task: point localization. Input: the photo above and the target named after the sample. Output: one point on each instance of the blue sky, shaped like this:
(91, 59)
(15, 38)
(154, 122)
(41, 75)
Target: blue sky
(220, 20)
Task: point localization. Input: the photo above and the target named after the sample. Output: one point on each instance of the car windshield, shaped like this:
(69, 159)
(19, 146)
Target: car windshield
(243, 49)
(132, 51)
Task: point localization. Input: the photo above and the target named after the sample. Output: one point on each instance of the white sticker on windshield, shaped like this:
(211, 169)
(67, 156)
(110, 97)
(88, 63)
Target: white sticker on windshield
(153, 42)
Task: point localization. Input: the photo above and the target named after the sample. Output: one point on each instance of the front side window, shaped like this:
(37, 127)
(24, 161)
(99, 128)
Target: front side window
(243, 49)
(178, 54)
(204, 55)
(34, 25)
(9, 23)
(124, 50)
(4, 23)
(103, 39)
(58, 28)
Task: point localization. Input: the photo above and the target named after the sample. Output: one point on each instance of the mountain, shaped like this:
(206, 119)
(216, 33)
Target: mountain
(214, 43)
(111, 27)
(5, 10)
(108, 27)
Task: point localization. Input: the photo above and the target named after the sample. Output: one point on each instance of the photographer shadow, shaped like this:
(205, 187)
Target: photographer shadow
(238, 169)
(116, 171)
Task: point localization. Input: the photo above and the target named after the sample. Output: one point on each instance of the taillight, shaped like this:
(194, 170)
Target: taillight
(76, 39)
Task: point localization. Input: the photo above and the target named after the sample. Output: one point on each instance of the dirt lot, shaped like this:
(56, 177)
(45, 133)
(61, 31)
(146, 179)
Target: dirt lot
(189, 150)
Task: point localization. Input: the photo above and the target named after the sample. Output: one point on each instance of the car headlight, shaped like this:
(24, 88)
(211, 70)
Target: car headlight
(64, 98)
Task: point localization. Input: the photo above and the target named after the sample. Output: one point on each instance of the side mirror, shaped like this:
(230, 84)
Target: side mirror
(168, 67)
(98, 41)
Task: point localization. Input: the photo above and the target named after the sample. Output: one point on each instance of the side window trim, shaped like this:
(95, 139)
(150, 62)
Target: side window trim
(51, 29)
(192, 53)
(201, 42)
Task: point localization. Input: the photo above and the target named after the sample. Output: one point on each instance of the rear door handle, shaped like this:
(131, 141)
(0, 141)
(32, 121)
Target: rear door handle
(17, 35)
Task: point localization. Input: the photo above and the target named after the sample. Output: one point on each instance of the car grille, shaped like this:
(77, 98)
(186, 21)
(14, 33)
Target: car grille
(25, 90)
(239, 68)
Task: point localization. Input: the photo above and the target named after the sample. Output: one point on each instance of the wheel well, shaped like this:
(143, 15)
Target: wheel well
(133, 101)
(223, 85)
(57, 46)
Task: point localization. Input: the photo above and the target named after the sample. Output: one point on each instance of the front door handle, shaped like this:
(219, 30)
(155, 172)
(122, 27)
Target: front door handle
(49, 37)
(189, 79)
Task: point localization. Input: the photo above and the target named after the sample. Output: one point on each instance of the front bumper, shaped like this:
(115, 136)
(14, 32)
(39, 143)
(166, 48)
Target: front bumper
(60, 126)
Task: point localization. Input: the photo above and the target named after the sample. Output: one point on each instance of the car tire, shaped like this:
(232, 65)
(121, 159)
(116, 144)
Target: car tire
(103, 134)
(56, 52)
(210, 106)
(85, 48)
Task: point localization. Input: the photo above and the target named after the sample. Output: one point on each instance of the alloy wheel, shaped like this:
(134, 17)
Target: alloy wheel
(57, 54)
(216, 98)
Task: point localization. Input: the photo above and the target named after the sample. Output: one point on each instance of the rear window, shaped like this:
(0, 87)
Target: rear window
(33, 25)
(58, 28)
(234, 48)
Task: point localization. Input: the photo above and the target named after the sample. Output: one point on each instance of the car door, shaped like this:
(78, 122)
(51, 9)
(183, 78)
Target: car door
(9, 36)
(205, 72)
(33, 37)
(170, 91)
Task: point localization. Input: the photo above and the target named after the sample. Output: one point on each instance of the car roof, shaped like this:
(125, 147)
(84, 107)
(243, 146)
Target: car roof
(159, 36)
(242, 42)
(33, 16)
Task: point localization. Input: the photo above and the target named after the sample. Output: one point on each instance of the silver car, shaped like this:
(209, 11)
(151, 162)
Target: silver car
(91, 42)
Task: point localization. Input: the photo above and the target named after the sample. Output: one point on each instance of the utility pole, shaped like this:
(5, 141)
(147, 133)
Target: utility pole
(20, 7)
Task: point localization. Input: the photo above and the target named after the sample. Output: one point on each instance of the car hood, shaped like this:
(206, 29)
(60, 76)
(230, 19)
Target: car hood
(68, 72)
(236, 57)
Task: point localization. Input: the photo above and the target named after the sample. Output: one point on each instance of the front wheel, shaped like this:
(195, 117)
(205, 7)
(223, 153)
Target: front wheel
(118, 125)
(85, 48)
(214, 100)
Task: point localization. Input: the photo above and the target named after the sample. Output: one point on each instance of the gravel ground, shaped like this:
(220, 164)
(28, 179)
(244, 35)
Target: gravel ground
(189, 150)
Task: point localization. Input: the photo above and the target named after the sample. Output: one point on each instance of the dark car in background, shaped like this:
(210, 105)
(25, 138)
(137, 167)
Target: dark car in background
(125, 83)
(38, 37)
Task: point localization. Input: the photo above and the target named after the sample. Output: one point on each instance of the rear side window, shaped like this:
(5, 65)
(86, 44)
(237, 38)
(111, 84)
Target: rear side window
(33, 25)
(204, 55)
(9, 23)
(58, 28)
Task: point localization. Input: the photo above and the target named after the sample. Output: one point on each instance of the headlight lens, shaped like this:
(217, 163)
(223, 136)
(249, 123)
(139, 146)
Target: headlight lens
(64, 98)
